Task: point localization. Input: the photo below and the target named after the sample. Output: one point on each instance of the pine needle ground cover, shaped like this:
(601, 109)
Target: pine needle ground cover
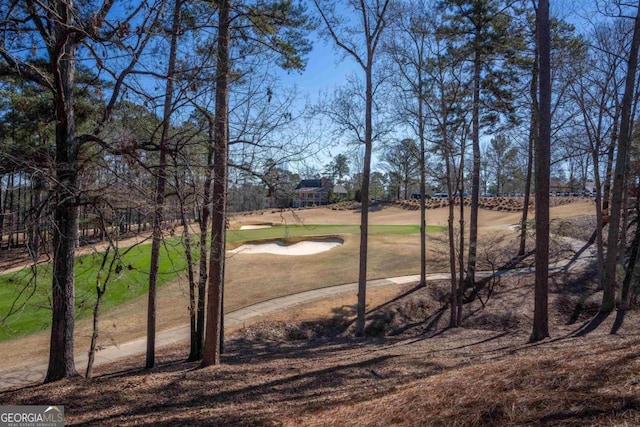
(416, 373)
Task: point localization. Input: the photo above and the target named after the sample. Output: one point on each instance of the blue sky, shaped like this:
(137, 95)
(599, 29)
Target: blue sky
(324, 70)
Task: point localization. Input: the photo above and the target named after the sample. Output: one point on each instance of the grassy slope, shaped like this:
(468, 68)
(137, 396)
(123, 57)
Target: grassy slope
(247, 282)
(27, 292)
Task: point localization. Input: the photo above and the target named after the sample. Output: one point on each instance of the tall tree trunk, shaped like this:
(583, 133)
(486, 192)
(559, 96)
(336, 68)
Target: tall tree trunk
(36, 212)
(364, 198)
(475, 174)
(12, 215)
(423, 186)
(213, 329)
(61, 349)
(608, 181)
(156, 242)
(543, 155)
(633, 259)
(598, 233)
(533, 137)
(609, 294)
(188, 247)
(101, 289)
(1, 211)
(453, 301)
(21, 211)
(161, 184)
(460, 290)
(198, 335)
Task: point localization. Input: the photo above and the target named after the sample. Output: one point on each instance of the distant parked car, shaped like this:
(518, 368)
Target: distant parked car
(417, 196)
(441, 196)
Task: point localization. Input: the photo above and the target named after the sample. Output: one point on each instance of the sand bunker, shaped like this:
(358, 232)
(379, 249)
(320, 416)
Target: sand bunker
(253, 227)
(308, 247)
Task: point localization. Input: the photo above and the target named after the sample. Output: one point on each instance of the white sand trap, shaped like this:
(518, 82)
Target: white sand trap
(253, 227)
(309, 247)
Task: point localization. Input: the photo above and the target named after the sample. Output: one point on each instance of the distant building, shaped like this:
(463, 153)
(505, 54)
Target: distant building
(339, 192)
(590, 187)
(558, 188)
(312, 192)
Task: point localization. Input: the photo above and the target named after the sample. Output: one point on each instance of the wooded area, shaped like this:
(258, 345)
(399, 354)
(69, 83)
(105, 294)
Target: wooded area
(125, 118)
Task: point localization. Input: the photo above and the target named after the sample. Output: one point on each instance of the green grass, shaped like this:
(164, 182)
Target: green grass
(27, 293)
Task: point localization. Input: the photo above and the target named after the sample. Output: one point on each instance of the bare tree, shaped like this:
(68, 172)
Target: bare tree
(597, 93)
(402, 160)
(609, 282)
(446, 100)
(360, 40)
(161, 183)
(408, 47)
(54, 33)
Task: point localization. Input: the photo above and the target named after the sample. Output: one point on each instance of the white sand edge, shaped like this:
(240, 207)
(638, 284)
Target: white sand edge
(309, 247)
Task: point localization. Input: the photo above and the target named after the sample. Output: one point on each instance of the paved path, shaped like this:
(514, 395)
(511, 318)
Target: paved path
(13, 378)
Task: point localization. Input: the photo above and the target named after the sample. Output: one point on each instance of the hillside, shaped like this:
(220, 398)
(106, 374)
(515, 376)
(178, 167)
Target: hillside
(310, 372)
(302, 366)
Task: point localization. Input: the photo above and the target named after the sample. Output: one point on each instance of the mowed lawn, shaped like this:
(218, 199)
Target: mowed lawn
(26, 294)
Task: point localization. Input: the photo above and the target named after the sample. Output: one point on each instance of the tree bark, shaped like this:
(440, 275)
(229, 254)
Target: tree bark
(101, 289)
(453, 297)
(213, 329)
(423, 186)
(533, 137)
(197, 335)
(609, 282)
(606, 201)
(1, 211)
(631, 266)
(475, 175)
(161, 184)
(543, 155)
(188, 247)
(61, 351)
(461, 289)
(364, 198)
(12, 215)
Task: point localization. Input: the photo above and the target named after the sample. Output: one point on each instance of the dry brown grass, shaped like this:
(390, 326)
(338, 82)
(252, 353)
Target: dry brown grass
(248, 281)
(301, 366)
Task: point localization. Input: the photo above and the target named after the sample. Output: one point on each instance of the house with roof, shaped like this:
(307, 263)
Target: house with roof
(312, 192)
(340, 193)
